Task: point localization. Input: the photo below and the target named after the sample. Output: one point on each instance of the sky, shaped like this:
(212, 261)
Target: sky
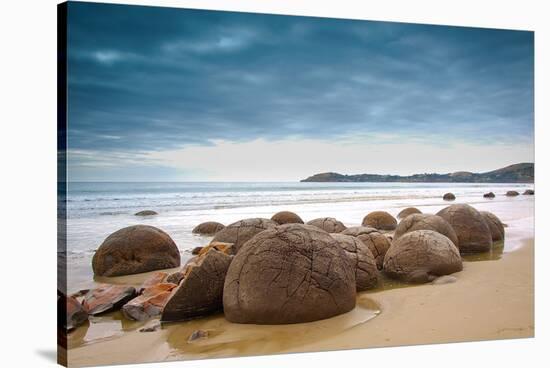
(164, 94)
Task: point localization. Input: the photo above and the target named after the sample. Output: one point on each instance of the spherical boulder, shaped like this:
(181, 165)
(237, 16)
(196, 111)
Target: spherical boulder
(328, 224)
(380, 220)
(377, 242)
(489, 195)
(208, 228)
(512, 193)
(146, 213)
(135, 249)
(449, 197)
(408, 211)
(421, 256)
(529, 192)
(471, 229)
(495, 225)
(241, 231)
(287, 217)
(362, 261)
(289, 274)
(420, 221)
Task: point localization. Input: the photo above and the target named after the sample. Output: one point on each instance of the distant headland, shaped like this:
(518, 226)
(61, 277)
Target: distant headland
(518, 173)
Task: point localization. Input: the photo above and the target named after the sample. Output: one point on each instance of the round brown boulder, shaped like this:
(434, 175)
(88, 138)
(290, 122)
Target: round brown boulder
(408, 211)
(512, 193)
(289, 274)
(362, 261)
(328, 224)
(208, 228)
(241, 231)
(287, 217)
(146, 213)
(489, 195)
(380, 220)
(449, 197)
(377, 242)
(495, 225)
(135, 249)
(422, 221)
(422, 256)
(470, 228)
(529, 192)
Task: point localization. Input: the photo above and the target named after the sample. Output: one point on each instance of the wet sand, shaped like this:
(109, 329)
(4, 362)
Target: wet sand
(492, 299)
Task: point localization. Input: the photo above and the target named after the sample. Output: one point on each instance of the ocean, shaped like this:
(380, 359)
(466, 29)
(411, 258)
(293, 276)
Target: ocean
(96, 209)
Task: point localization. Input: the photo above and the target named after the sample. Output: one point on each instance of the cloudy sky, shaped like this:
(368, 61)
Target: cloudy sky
(160, 94)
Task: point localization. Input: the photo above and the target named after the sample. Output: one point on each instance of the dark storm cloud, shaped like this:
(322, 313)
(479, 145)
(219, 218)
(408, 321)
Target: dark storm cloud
(146, 78)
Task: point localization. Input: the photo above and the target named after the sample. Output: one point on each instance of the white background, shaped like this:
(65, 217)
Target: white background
(28, 180)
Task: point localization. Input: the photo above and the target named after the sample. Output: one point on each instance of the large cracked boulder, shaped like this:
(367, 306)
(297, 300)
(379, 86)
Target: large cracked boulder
(287, 217)
(407, 211)
(377, 242)
(361, 259)
(289, 274)
(421, 256)
(495, 225)
(241, 231)
(208, 228)
(135, 249)
(380, 220)
(328, 224)
(201, 291)
(425, 222)
(471, 229)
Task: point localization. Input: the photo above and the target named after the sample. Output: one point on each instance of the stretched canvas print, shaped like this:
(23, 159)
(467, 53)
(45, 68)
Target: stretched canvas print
(236, 184)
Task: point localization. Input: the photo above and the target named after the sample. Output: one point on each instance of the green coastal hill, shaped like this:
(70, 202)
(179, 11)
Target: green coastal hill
(518, 173)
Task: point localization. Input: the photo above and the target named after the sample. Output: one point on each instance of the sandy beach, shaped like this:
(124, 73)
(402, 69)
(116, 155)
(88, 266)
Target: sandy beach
(492, 298)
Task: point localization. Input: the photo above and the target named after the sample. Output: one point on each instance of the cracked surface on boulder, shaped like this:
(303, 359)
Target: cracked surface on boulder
(421, 256)
(361, 260)
(201, 291)
(208, 228)
(287, 217)
(290, 274)
(241, 231)
(380, 220)
(328, 224)
(471, 229)
(408, 211)
(426, 222)
(135, 249)
(377, 242)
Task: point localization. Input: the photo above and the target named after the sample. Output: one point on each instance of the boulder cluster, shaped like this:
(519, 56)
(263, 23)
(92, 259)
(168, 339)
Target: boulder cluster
(280, 270)
(491, 195)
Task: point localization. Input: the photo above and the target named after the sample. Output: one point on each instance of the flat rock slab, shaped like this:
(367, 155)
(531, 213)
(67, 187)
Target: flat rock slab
(107, 298)
(150, 303)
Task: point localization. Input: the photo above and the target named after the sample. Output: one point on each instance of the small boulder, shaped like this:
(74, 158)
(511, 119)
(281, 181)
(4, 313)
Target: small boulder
(377, 242)
(135, 249)
(471, 229)
(201, 291)
(489, 195)
(495, 225)
(241, 231)
(361, 259)
(290, 274)
(107, 298)
(449, 197)
(512, 193)
(287, 217)
(426, 222)
(77, 314)
(146, 213)
(421, 256)
(380, 220)
(408, 211)
(149, 304)
(529, 192)
(328, 224)
(208, 228)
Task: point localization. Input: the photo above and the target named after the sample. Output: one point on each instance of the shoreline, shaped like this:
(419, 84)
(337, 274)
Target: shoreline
(500, 307)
